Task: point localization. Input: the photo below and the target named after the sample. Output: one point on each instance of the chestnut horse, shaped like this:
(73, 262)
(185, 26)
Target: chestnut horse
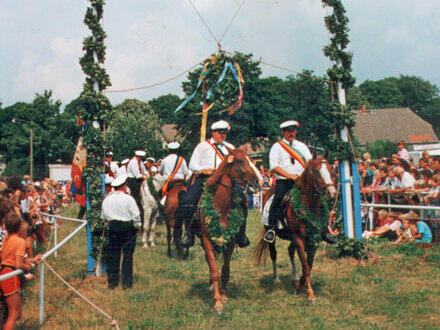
(312, 183)
(235, 169)
(173, 222)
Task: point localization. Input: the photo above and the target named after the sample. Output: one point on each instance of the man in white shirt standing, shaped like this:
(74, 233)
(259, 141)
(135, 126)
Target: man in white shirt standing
(135, 177)
(123, 168)
(287, 159)
(122, 214)
(205, 159)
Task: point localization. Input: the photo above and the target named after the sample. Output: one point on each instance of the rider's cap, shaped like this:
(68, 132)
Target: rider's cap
(119, 181)
(289, 123)
(140, 153)
(173, 145)
(220, 125)
(125, 161)
(109, 154)
(151, 159)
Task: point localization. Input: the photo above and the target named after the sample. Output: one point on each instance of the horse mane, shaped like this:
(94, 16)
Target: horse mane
(217, 175)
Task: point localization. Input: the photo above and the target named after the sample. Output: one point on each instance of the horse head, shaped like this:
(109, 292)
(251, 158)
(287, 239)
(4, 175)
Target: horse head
(242, 170)
(319, 167)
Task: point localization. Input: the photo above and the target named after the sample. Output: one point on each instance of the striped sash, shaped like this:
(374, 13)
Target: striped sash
(293, 153)
(219, 153)
(179, 162)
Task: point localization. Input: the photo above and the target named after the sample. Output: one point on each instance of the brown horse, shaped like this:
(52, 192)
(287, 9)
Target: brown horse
(173, 222)
(312, 183)
(235, 169)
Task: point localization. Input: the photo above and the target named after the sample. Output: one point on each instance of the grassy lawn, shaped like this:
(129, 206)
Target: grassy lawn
(403, 291)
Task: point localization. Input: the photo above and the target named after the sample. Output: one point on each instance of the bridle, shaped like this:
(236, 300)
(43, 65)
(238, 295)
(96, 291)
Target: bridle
(240, 170)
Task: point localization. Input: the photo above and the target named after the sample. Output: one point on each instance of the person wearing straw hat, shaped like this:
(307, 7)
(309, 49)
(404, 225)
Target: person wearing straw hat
(205, 159)
(123, 216)
(287, 160)
(424, 234)
(135, 176)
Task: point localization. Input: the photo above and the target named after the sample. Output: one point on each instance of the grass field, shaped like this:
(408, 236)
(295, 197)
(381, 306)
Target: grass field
(403, 291)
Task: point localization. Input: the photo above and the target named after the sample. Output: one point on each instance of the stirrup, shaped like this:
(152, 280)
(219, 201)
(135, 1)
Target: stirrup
(269, 236)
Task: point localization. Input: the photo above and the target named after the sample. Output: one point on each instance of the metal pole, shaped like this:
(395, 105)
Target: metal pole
(41, 292)
(31, 156)
(55, 236)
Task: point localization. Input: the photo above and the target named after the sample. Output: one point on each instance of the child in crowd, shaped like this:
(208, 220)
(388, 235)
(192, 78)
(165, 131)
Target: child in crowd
(12, 258)
(407, 231)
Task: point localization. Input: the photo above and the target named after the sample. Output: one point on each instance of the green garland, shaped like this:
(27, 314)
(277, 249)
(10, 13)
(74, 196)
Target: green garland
(340, 72)
(314, 225)
(220, 236)
(97, 107)
(152, 188)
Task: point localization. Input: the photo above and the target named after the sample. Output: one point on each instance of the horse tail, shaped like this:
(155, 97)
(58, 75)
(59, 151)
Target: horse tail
(262, 250)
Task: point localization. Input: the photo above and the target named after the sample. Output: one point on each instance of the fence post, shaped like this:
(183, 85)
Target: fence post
(41, 292)
(55, 236)
(389, 200)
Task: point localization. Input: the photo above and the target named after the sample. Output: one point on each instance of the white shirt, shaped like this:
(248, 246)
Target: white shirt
(406, 181)
(204, 156)
(133, 169)
(121, 171)
(403, 154)
(114, 167)
(122, 207)
(167, 167)
(278, 157)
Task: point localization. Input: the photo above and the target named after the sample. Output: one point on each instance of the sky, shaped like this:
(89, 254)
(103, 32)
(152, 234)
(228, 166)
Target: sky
(151, 41)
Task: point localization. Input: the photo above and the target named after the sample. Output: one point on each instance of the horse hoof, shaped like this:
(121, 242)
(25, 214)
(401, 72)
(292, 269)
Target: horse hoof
(276, 280)
(152, 244)
(219, 311)
(313, 301)
(225, 299)
(145, 246)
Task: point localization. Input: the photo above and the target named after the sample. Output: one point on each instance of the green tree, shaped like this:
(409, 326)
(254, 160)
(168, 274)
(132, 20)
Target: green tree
(134, 125)
(164, 107)
(54, 135)
(379, 149)
(356, 99)
(384, 93)
(417, 93)
(431, 113)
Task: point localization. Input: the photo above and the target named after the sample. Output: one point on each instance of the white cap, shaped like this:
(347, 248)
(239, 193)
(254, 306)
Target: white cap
(173, 145)
(119, 181)
(140, 153)
(221, 124)
(289, 123)
(151, 159)
(153, 169)
(109, 154)
(125, 161)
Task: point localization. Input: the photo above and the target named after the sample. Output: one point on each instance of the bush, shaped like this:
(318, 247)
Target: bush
(379, 149)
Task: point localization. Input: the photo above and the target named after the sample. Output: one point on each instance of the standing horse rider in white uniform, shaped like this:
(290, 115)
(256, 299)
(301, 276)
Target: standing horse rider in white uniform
(135, 176)
(205, 159)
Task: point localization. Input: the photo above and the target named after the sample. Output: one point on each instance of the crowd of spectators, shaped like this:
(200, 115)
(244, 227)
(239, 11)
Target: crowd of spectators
(22, 226)
(398, 180)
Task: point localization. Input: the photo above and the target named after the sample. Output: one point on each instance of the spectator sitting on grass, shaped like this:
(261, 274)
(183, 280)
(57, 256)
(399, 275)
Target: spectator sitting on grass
(407, 231)
(389, 229)
(424, 234)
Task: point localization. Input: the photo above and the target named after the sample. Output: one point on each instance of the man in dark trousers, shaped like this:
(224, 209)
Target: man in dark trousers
(122, 214)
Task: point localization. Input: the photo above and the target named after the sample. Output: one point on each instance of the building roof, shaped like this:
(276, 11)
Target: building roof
(392, 124)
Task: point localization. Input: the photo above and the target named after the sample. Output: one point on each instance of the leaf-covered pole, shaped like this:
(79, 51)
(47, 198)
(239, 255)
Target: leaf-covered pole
(340, 72)
(97, 107)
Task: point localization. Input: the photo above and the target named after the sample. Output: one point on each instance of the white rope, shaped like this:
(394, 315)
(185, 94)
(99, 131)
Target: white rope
(113, 321)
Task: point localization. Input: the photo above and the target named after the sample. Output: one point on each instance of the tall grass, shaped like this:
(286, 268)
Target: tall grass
(403, 291)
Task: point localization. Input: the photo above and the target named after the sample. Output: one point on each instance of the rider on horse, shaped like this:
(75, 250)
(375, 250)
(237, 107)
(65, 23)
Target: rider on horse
(287, 159)
(205, 159)
(173, 167)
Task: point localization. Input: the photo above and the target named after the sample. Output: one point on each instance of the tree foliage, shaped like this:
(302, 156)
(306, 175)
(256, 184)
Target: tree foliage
(54, 135)
(134, 125)
(164, 107)
(379, 149)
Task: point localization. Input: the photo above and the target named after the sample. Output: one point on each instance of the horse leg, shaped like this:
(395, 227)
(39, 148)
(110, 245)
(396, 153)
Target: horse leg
(146, 225)
(177, 236)
(306, 270)
(295, 272)
(273, 257)
(213, 272)
(152, 234)
(168, 238)
(225, 271)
